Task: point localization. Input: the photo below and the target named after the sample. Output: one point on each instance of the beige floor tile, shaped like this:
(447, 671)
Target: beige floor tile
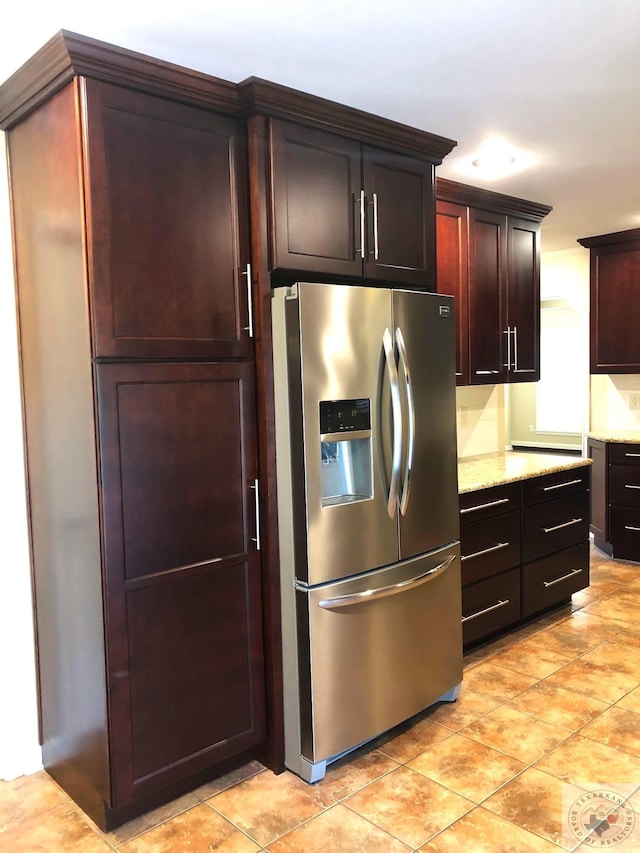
(631, 635)
(577, 634)
(615, 607)
(268, 806)
(536, 802)
(482, 831)
(408, 806)
(631, 701)
(586, 763)
(584, 597)
(347, 776)
(617, 727)
(516, 734)
(616, 657)
(592, 679)
(246, 771)
(564, 708)
(467, 767)
(468, 707)
(613, 571)
(151, 819)
(61, 829)
(528, 658)
(198, 830)
(496, 682)
(28, 798)
(341, 830)
(414, 740)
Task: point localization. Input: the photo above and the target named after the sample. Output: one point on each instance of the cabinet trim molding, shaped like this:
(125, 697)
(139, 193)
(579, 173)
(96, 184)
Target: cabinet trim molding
(457, 193)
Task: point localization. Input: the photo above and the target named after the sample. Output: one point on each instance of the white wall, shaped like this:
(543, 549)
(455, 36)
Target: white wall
(480, 419)
(611, 397)
(19, 749)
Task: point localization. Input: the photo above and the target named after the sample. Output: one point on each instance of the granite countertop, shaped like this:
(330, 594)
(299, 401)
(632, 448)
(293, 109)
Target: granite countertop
(624, 436)
(493, 469)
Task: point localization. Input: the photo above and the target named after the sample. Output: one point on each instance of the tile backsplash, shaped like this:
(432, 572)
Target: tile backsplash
(480, 419)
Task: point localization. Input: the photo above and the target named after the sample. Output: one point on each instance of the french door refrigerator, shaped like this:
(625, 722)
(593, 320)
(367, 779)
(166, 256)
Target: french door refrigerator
(368, 512)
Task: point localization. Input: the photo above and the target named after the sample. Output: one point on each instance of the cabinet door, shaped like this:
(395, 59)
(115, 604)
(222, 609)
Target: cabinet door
(453, 274)
(316, 200)
(401, 231)
(487, 302)
(182, 576)
(615, 320)
(168, 227)
(523, 299)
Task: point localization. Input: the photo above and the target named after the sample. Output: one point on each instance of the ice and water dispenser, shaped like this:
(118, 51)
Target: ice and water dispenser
(346, 453)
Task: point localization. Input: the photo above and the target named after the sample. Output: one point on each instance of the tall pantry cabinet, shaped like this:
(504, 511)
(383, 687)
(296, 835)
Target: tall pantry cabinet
(130, 221)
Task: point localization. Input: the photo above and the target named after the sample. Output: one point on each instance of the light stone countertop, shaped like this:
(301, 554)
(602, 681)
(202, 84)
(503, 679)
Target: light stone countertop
(494, 469)
(624, 436)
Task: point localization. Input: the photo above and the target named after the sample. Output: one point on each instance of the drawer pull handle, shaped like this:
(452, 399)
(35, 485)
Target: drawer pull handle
(484, 551)
(484, 506)
(632, 454)
(563, 578)
(628, 527)
(627, 486)
(500, 603)
(486, 372)
(562, 485)
(560, 526)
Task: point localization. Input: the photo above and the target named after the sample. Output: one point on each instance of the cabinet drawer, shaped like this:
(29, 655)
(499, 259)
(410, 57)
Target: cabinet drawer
(556, 485)
(552, 526)
(487, 502)
(625, 533)
(490, 605)
(624, 454)
(490, 546)
(624, 485)
(552, 579)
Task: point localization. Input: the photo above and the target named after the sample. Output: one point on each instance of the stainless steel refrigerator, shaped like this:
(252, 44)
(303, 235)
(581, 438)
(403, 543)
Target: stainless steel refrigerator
(368, 512)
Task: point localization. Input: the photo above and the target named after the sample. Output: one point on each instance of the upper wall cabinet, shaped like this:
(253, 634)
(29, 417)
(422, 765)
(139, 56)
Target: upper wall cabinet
(489, 259)
(168, 225)
(343, 208)
(615, 286)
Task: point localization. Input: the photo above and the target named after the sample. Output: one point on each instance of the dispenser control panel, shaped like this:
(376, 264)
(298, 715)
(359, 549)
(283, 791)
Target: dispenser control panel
(344, 415)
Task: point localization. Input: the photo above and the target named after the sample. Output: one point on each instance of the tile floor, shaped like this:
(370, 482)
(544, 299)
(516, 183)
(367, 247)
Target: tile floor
(547, 716)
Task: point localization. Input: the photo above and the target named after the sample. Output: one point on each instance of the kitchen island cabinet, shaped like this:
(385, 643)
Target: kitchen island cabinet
(614, 273)
(489, 259)
(524, 538)
(615, 500)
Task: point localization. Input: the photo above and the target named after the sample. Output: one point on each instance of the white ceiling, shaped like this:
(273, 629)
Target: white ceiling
(558, 79)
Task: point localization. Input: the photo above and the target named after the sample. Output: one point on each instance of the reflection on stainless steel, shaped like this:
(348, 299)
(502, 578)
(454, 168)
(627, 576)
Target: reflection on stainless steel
(368, 512)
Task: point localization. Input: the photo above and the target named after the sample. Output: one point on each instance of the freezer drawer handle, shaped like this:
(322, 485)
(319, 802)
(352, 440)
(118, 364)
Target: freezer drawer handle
(383, 591)
(563, 578)
(497, 547)
(396, 408)
(560, 526)
(411, 415)
(500, 603)
(484, 506)
(561, 485)
(630, 527)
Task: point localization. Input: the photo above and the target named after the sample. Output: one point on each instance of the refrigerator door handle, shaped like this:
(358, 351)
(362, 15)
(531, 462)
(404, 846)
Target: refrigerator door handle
(396, 409)
(383, 591)
(411, 416)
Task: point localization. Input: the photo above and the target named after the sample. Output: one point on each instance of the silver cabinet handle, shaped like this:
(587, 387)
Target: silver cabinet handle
(383, 591)
(563, 578)
(486, 372)
(247, 272)
(561, 485)
(497, 547)
(632, 454)
(256, 489)
(396, 409)
(627, 486)
(363, 253)
(631, 527)
(411, 416)
(515, 348)
(484, 506)
(508, 334)
(376, 245)
(500, 603)
(560, 526)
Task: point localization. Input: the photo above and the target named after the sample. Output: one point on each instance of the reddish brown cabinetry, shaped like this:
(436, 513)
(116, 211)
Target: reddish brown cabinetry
(495, 278)
(130, 221)
(343, 208)
(615, 500)
(615, 324)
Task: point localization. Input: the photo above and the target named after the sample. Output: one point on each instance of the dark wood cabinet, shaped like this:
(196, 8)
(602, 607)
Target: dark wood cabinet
(615, 501)
(614, 286)
(342, 208)
(525, 548)
(496, 281)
